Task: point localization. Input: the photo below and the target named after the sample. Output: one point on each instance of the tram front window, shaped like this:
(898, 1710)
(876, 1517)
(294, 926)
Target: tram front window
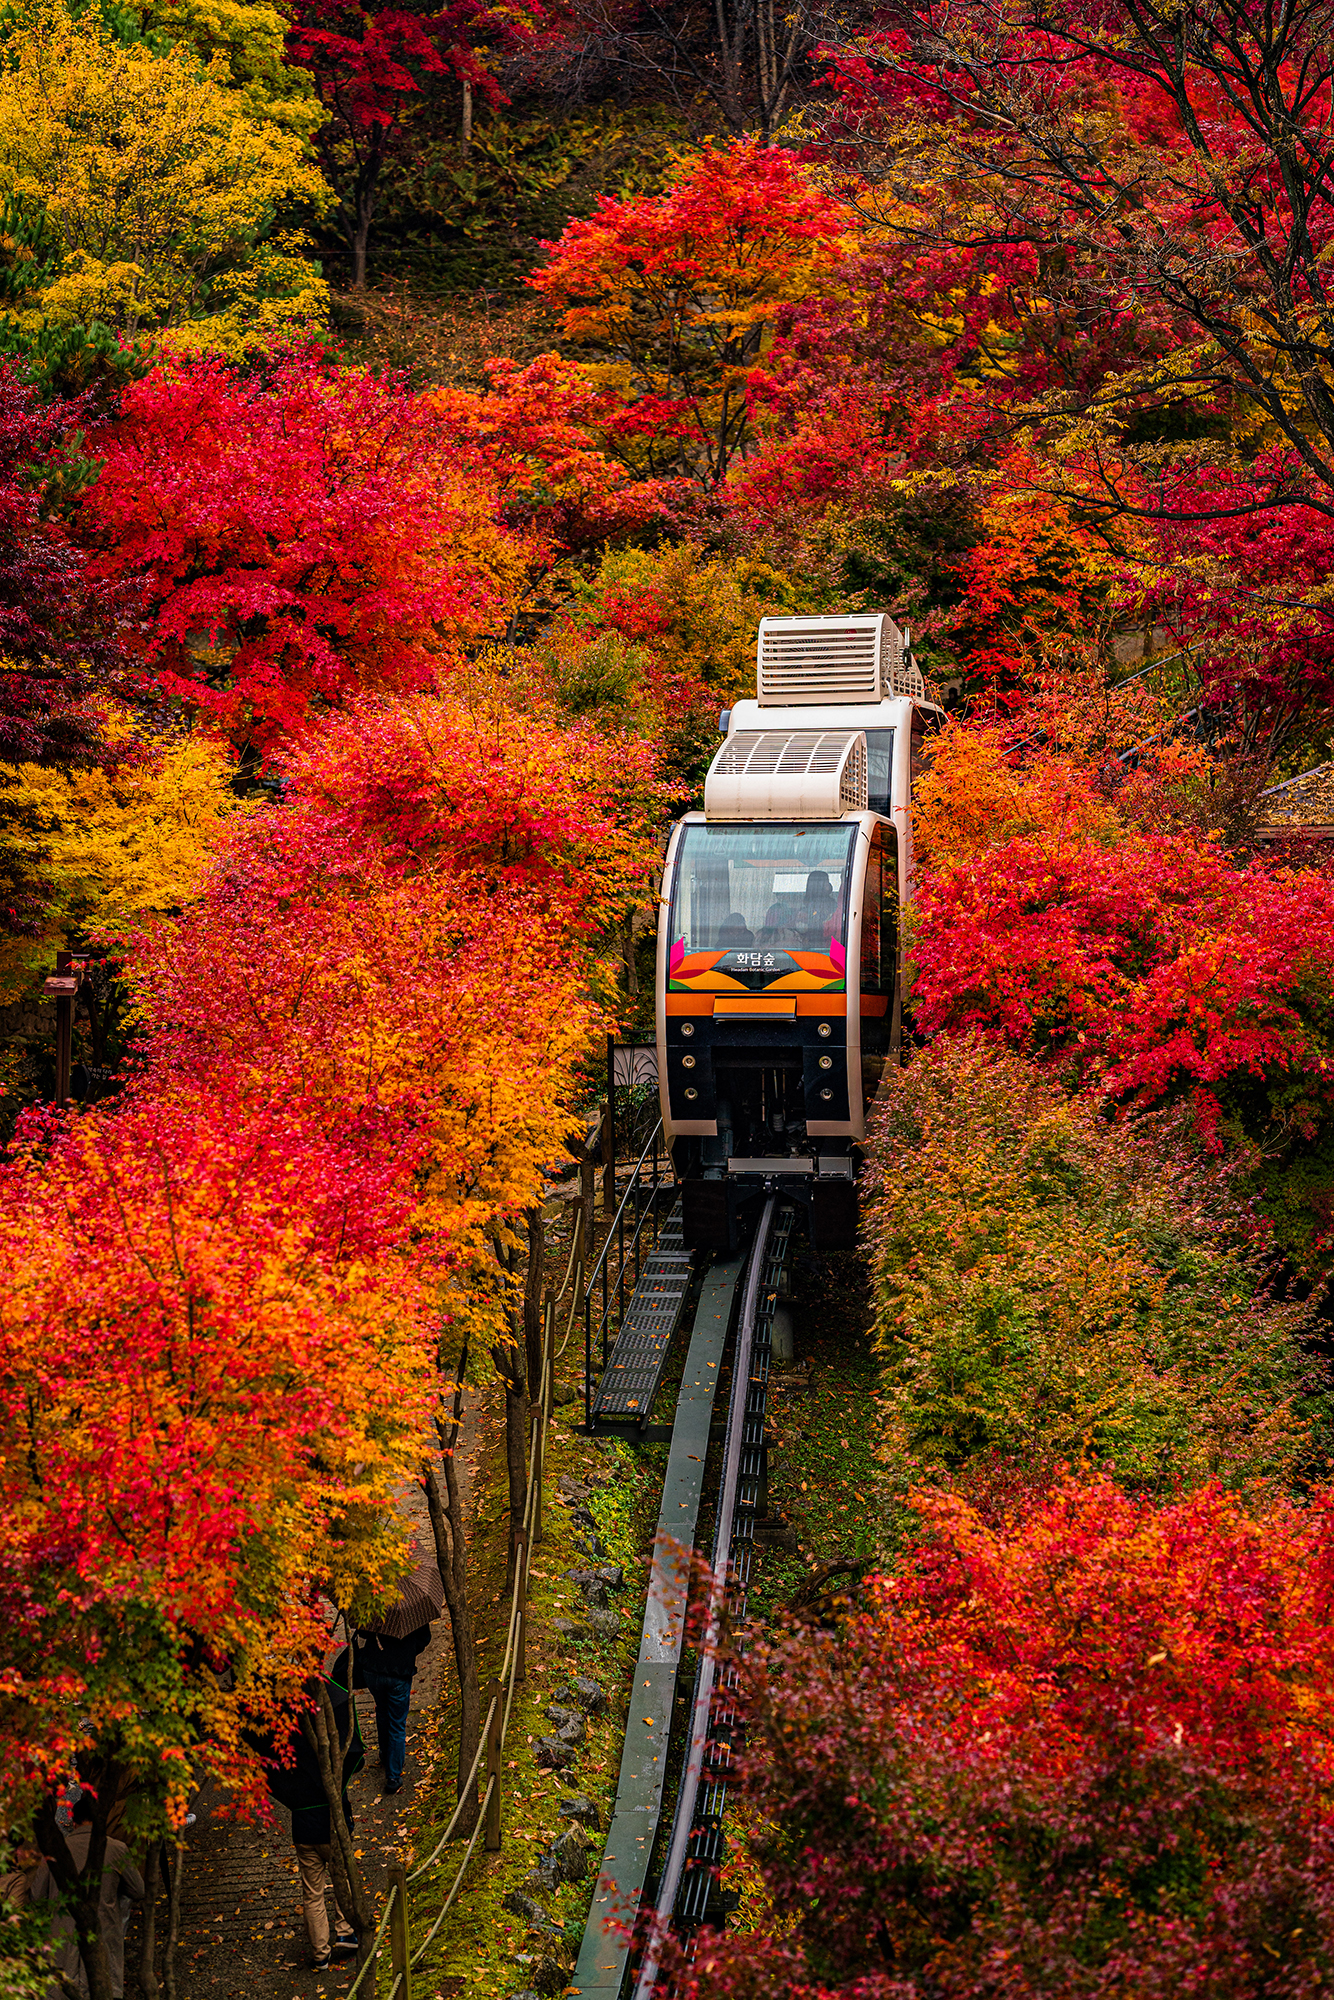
(749, 897)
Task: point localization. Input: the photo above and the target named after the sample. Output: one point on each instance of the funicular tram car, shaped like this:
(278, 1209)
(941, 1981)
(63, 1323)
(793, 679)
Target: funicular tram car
(778, 977)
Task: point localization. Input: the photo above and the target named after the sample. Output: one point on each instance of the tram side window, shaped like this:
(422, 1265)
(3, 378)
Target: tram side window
(871, 901)
(880, 770)
(925, 724)
(880, 915)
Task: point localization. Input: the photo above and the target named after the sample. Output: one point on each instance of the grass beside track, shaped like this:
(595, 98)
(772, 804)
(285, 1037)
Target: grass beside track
(823, 1473)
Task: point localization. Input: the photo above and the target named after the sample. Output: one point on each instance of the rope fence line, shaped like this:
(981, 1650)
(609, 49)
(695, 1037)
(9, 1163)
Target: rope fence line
(495, 1727)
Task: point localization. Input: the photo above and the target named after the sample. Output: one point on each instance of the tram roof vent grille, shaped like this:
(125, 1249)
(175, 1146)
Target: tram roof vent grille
(788, 774)
(858, 657)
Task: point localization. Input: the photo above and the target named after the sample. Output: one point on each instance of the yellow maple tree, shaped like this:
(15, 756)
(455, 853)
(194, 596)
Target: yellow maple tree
(158, 193)
(109, 845)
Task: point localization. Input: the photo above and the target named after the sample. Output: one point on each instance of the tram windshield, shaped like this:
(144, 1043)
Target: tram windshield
(761, 906)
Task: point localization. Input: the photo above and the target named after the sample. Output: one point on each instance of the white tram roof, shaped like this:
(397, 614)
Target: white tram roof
(788, 774)
(798, 751)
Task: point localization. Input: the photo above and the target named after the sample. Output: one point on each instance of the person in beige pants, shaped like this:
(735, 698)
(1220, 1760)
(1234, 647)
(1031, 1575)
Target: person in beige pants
(294, 1780)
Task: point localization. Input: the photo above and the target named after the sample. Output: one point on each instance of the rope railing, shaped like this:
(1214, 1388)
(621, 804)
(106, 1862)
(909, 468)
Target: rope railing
(395, 1916)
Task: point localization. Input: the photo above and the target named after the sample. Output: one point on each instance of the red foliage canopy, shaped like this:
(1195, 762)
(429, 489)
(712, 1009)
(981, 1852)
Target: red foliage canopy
(1152, 964)
(1080, 1749)
(57, 623)
(293, 536)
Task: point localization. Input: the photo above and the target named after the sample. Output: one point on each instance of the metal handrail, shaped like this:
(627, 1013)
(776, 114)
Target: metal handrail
(1287, 783)
(511, 1668)
(651, 1146)
(645, 1197)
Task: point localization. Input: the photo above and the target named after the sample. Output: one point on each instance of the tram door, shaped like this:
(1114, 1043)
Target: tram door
(880, 956)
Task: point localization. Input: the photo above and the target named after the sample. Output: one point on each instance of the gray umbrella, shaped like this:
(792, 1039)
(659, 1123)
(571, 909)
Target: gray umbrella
(419, 1601)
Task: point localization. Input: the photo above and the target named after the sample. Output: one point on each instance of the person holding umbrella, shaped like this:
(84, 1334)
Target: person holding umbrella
(386, 1662)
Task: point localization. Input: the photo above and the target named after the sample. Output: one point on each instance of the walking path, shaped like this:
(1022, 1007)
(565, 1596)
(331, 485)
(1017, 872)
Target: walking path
(242, 1936)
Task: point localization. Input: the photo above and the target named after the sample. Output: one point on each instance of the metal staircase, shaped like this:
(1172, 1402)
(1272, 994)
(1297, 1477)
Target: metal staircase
(633, 1372)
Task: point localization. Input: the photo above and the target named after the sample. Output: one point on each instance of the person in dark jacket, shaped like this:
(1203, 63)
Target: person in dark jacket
(294, 1780)
(385, 1668)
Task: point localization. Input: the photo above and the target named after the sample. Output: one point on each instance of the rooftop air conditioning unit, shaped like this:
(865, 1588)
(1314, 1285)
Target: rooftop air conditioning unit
(861, 656)
(788, 774)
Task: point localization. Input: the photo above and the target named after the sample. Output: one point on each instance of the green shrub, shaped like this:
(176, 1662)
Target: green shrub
(1049, 1287)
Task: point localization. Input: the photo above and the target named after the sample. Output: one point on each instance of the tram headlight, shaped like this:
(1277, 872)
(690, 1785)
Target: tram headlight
(687, 1062)
(825, 1094)
(826, 1062)
(687, 1030)
(824, 1031)
(691, 1095)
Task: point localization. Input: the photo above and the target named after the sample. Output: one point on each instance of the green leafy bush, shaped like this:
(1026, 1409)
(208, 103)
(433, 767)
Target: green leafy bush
(1048, 1287)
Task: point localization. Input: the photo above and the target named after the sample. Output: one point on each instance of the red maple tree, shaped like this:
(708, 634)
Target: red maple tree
(293, 535)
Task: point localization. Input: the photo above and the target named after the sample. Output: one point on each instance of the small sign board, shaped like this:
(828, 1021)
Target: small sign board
(633, 1063)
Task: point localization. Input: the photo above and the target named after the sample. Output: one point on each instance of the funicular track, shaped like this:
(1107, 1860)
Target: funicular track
(692, 1848)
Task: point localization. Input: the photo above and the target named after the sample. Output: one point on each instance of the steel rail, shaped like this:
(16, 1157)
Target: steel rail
(607, 1941)
(701, 1711)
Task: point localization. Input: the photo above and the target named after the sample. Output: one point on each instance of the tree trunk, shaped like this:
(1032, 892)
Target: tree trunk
(532, 1303)
(467, 118)
(173, 1923)
(516, 1464)
(451, 1558)
(331, 1750)
(363, 198)
(148, 1981)
(511, 1366)
(81, 1888)
(360, 238)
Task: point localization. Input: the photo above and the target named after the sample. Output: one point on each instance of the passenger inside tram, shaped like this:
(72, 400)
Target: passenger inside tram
(821, 908)
(772, 887)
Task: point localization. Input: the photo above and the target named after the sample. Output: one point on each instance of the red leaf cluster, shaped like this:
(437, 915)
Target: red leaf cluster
(293, 536)
(1082, 1749)
(1151, 964)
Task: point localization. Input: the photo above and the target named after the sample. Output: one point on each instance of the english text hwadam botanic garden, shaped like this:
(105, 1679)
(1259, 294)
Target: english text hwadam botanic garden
(667, 1000)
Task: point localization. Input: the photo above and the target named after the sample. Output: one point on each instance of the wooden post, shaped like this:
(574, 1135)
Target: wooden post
(521, 1619)
(587, 1195)
(496, 1704)
(64, 989)
(400, 1943)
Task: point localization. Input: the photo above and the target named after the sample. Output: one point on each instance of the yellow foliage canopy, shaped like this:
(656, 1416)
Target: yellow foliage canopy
(161, 194)
(251, 38)
(110, 846)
